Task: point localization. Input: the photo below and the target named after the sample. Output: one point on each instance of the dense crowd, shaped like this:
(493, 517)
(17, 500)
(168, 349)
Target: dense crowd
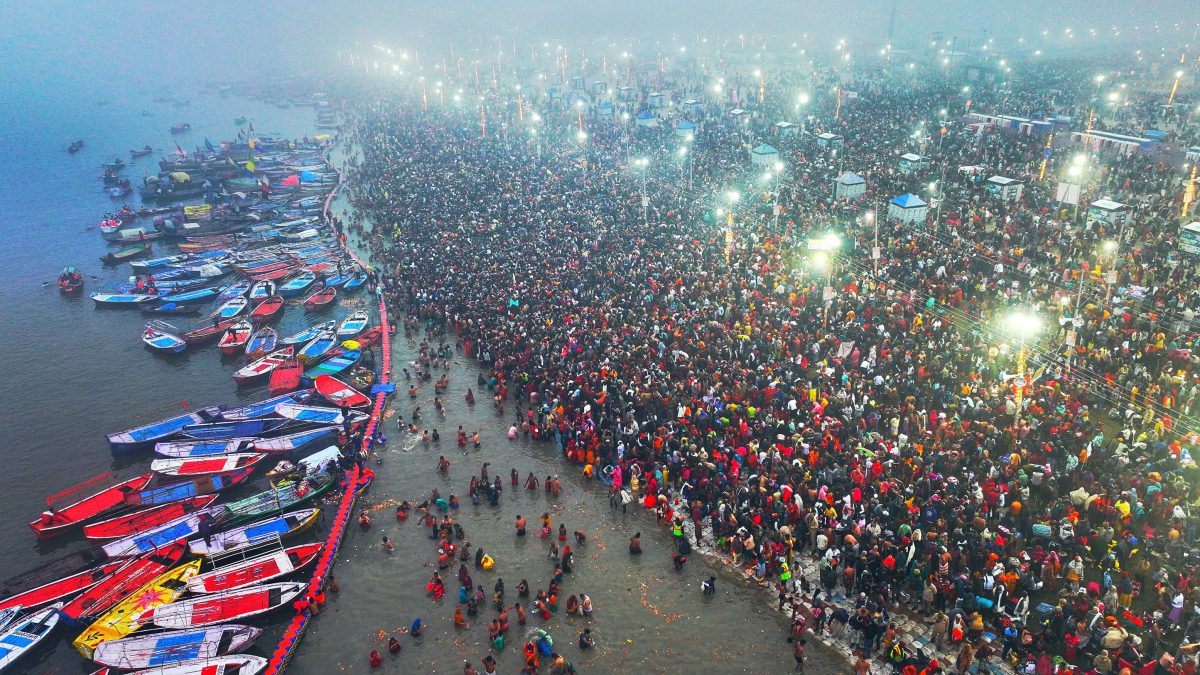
(869, 411)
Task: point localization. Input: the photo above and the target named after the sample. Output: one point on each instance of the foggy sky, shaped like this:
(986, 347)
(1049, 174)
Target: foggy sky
(160, 41)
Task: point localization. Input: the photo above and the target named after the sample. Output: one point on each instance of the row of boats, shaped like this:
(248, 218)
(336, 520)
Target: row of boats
(170, 572)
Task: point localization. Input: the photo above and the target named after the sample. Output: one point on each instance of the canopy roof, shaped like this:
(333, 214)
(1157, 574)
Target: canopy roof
(908, 201)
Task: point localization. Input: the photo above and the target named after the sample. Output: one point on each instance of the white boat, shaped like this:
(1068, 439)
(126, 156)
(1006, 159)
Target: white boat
(172, 647)
(234, 664)
(310, 464)
(27, 632)
(231, 308)
(256, 570)
(202, 466)
(160, 337)
(353, 325)
(258, 531)
(217, 608)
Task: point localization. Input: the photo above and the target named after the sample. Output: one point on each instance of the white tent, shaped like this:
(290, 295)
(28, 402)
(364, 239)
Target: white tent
(764, 155)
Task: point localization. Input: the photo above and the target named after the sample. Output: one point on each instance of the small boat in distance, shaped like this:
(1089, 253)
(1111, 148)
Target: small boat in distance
(141, 153)
(70, 281)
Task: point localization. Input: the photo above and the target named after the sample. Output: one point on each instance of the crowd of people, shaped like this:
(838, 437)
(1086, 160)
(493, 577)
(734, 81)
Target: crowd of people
(1027, 493)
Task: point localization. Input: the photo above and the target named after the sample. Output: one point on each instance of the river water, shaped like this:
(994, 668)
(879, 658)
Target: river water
(74, 372)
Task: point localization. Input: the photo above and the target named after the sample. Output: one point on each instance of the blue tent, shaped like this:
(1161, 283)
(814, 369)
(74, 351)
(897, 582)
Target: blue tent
(908, 201)
(309, 177)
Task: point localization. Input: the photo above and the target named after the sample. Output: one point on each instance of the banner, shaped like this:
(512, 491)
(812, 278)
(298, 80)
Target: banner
(1068, 193)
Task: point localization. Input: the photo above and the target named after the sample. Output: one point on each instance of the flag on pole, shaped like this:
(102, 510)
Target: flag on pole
(181, 151)
(207, 145)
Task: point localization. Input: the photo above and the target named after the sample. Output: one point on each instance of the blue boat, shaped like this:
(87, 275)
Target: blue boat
(121, 299)
(300, 440)
(318, 347)
(161, 535)
(355, 283)
(219, 430)
(338, 280)
(198, 295)
(156, 650)
(297, 285)
(127, 441)
(263, 530)
(162, 337)
(172, 308)
(264, 408)
(334, 365)
(173, 492)
(153, 263)
(307, 334)
(236, 289)
(179, 449)
(317, 415)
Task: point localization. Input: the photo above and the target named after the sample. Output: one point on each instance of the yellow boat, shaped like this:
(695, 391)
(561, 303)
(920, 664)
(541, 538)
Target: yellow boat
(122, 619)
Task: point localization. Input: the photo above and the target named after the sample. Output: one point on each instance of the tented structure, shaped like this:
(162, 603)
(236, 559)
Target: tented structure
(1007, 189)
(849, 186)
(685, 129)
(907, 208)
(764, 155)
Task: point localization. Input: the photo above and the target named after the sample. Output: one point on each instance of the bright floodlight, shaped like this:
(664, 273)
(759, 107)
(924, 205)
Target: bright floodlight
(869, 216)
(779, 166)
(683, 151)
(1023, 324)
(1079, 159)
(804, 98)
(734, 196)
(1110, 246)
(581, 136)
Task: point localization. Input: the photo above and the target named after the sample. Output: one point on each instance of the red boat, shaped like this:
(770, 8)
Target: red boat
(339, 392)
(236, 337)
(122, 583)
(264, 269)
(318, 267)
(286, 377)
(145, 519)
(264, 366)
(268, 310)
(70, 281)
(255, 570)
(203, 466)
(57, 519)
(207, 333)
(208, 610)
(273, 274)
(321, 300)
(62, 588)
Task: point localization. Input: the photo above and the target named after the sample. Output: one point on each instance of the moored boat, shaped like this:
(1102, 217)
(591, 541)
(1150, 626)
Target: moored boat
(297, 284)
(255, 570)
(57, 520)
(268, 310)
(317, 347)
(61, 589)
(231, 308)
(124, 254)
(262, 341)
(335, 365)
(286, 376)
(263, 366)
(24, 634)
(142, 519)
(277, 499)
(233, 664)
(356, 282)
(163, 535)
(297, 441)
(225, 606)
(172, 492)
(171, 648)
(236, 337)
(308, 334)
(321, 300)
(194, 448)
(200, 466)
(132, 575)
(163, 337)
(316, 415)
(207, 333)
(339, 393)
(190, 296)
(226, 429)
(133, 439)
(277, 527)
(353, 325)
(124, 617)
(261, 290)
(122, 299)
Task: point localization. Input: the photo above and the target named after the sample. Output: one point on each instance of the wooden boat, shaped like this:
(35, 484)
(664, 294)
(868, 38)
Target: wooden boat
(193, 448)
(362, 377)
(321, 300)
(181, 128)
(61, 589)
(272, 275)
(286, 376)
(200, 466)
(339, 393)
(261, 290)
(172, 308)
(171, 648)
(163, 535)
(308, 333)
(117, 257)
(222, 430)
(132, 575)
(237, 289)
(256, 570)
(155, 263)
(133, 439)
(141, 153)
(318, 347)
(299, 440)
(233, 664)
(159, 337)
(277, 499)
(135, 238)
(8, 616)
(70, 281)
(236, 337)
(263, 408)
(338, 280)
(122, 299)
(143, 519)
(262, 341)
(268, 310)
(322, 461)
(173, 492)
(222, 607)
(311, 414)
(355, 283)
(58, 519)
(297, 284)
(277, 527)
(231, 308)
(207, 333)
(353, 325)
(191, 296)
(27, 633)
(335, 365)
(124, 617)
(263, 367)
